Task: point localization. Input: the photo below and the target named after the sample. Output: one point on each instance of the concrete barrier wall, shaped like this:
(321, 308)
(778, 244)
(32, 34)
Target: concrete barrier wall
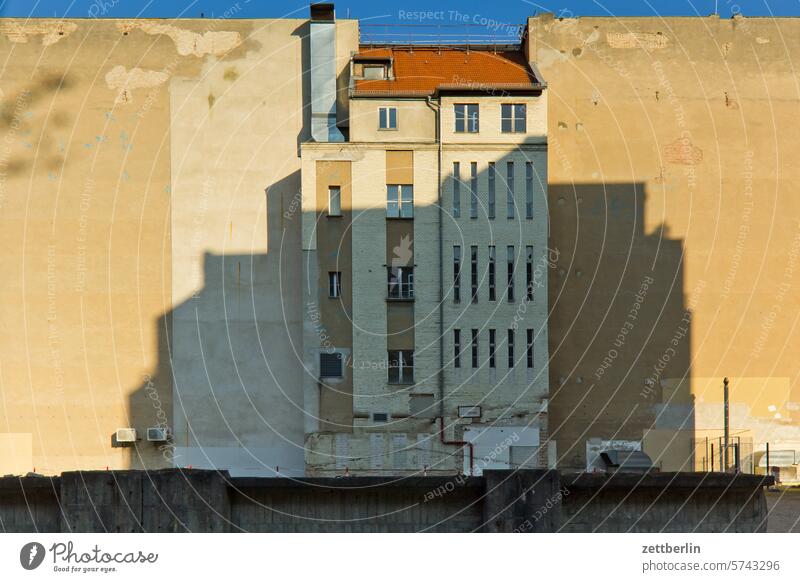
(500, 501)
(663, 502)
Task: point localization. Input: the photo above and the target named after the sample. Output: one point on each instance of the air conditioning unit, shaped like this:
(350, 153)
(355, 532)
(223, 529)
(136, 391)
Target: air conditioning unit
(126, 435)
(157, 434)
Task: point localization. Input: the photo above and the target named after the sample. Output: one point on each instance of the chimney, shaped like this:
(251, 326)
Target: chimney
(323, 74)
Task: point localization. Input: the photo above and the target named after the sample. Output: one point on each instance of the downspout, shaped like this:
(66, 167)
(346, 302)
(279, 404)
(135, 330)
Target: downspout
(440, 377)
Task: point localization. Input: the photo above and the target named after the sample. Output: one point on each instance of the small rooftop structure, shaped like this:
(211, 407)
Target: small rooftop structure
(425, 71)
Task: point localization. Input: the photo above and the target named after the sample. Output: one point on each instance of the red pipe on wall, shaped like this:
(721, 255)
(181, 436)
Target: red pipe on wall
(459, 443)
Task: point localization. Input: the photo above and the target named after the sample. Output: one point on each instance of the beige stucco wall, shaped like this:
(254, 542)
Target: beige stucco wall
(672, 156)
(416, 121)
(150, 190)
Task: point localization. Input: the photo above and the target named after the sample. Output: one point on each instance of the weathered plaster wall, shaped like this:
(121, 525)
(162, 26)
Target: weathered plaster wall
(672, 157)
(149, 173)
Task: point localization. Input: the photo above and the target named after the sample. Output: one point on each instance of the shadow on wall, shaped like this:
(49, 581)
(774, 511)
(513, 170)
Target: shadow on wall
(620, 339)
(223, 384)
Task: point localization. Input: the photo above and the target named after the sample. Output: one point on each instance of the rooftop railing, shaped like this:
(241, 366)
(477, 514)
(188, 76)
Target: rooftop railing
(493, 33)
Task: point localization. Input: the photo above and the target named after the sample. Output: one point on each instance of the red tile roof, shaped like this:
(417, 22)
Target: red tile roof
(423, 71)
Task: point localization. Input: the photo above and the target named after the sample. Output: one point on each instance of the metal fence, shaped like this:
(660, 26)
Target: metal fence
(440, 34)
(711, 455)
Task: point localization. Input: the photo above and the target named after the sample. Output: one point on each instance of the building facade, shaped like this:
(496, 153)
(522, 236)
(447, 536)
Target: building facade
(166, 187)
(425, 245)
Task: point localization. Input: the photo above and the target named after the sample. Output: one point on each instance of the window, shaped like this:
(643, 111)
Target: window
(334, 201)
(474, 272)
(529, 190)
(492, 348)
(510, 272)
(380, 417)
(456, 189)
(374, 72)
(474, 348)
(334, 284)
(457, 348)
(491, 189)
(330, 365)
(466, 117)
(492, 269)
(529, 349)
(387, 117)
(513, 118)
(473, 190)
(456, 274)
(399, 201)
(529, 273)
(401, 367)
(401, 282)
(510, 348)
(510, 189)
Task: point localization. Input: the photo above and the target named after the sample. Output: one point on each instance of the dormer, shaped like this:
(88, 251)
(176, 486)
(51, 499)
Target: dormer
(371, 68)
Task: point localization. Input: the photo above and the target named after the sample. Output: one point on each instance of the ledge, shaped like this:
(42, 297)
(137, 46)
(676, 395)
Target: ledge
(658, 480)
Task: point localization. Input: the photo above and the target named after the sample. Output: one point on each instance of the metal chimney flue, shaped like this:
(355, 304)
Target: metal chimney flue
(323, 74)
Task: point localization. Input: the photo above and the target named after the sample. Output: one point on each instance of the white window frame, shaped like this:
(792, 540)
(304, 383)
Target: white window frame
(399, 201)
(518, 120)
(334, 284)
(470, 116)
(405, 289)
(334, 209)
(401, 377)
(387, 115)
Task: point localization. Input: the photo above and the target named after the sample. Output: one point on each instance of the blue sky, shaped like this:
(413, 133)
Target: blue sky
(384, 12)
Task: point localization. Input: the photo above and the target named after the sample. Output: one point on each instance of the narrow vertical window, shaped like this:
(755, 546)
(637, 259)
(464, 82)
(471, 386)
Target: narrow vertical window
(510, 272)
(491, 189)
(456, 189)
(520, 118)
(456, 348)
(474, 348)
(474, 272)
(406, 201)
(392, 201)
(461, 117)
(492, 274)
(506, 121)
(529, 190)
(529, 273)
(492, 348)
(456, 274)
(473, 190)
(510, 189)
(510, 348)
(334, 201)
(334, 284)
(529, 349)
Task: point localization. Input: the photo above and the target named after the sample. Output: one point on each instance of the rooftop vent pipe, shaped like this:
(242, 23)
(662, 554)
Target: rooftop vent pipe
(323, 74)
